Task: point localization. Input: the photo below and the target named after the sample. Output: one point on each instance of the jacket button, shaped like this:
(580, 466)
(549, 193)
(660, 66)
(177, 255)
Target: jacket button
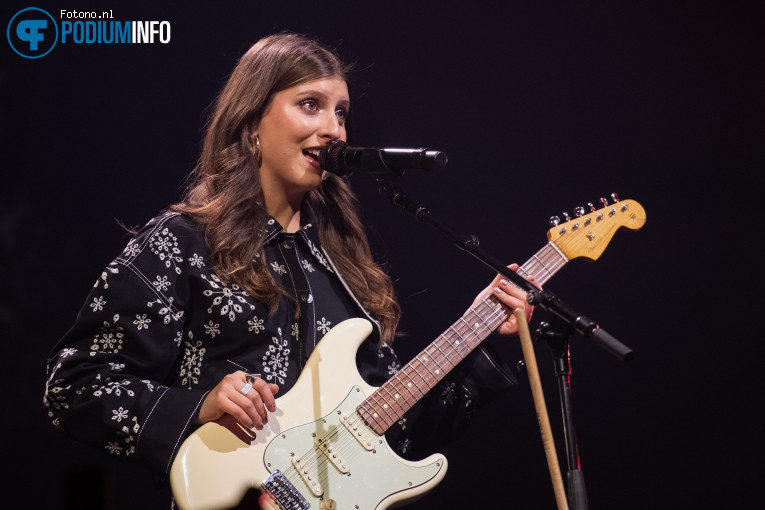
(307, 298)
(288, 244)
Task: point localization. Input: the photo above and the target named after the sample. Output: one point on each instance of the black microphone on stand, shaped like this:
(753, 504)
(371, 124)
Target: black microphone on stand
(340, 159)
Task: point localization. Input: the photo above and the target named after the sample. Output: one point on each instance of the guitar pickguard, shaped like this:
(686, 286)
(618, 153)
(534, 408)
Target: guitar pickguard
(372, 474)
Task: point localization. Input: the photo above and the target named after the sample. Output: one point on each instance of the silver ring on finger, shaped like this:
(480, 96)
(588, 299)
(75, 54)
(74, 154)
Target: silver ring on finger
(247, 387)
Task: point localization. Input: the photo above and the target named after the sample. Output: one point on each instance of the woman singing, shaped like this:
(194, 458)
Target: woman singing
(262, 257)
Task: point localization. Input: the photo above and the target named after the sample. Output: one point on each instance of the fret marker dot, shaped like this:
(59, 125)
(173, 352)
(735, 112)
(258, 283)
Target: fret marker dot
(409, 385)
(438, 371)
(397, 395)
(457, 342)
(375, 415)
(385, 406)
(476, 324)
(425, 358)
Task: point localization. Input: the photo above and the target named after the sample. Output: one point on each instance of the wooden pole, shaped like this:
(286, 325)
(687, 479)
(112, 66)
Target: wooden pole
(541, 407)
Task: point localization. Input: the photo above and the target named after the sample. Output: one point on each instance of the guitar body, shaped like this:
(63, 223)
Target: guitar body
(222, 460)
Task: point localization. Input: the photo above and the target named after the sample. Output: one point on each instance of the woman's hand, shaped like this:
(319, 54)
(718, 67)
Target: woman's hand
(249, 409)
(511, 296)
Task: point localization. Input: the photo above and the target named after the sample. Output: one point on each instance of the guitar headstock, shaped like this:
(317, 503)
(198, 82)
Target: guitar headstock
(587, 235)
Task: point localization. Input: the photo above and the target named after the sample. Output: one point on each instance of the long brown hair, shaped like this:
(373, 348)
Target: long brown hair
(225, 193)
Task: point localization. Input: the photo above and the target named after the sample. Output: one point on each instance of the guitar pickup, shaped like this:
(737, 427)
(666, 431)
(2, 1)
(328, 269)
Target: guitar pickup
(308, 477)
(358, 430)
(326, 448)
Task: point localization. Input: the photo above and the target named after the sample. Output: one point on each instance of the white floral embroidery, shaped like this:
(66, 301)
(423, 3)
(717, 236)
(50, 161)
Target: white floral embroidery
(111, 268)
(70, 350)
(308, 267)
(116, 367)
(165, 246)
(278, 268)
(192, 361)
(161, 283)
(142, 322)
(114, 448)
(132, 249)
(393, 368)
(108, 338)
(98, 304)
(164, 311)
(197, 261)
(230, 297)
(404, 445)
(256, 325)
(112, 387)
(119, 414)
(318, 254)
(212, 329)
(295, 330)
(402, 423)
(276, 360)
(323, 325)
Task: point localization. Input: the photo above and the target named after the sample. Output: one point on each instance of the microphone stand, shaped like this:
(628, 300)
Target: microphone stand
(542, 298)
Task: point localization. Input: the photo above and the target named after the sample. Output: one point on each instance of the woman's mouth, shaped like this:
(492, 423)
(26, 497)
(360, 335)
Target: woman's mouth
(313, 156)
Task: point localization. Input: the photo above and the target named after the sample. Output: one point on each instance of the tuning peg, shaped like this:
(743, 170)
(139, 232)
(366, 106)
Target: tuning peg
(579, 211)
(592, 207)
(554, 221)
(565, 215)
(614, 197)
(603, 202)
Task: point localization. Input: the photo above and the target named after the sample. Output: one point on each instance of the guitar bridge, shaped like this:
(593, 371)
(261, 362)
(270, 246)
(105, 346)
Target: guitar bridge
(284, 493)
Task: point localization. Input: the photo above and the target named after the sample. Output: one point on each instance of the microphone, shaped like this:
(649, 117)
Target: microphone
(340, 159)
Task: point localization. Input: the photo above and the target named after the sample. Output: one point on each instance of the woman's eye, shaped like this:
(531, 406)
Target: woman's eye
(342, 115)
(310, 105)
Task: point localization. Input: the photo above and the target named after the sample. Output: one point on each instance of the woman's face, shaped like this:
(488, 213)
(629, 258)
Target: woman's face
(299, 121)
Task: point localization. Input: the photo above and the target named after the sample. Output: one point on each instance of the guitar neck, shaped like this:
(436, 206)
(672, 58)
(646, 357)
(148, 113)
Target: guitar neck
(390, 401)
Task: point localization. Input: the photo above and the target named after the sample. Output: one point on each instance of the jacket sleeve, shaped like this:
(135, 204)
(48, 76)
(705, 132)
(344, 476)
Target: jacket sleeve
(109, 377)
(444, 413)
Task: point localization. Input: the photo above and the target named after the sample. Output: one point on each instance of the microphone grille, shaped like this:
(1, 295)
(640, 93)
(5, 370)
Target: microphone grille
(330, 158)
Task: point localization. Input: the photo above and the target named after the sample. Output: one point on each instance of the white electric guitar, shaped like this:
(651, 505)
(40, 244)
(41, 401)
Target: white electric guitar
(324, 447)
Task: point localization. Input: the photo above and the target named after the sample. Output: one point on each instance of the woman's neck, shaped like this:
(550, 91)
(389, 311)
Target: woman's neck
(285, 211)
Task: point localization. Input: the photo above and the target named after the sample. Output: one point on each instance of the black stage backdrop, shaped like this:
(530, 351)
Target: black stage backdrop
(541, 107)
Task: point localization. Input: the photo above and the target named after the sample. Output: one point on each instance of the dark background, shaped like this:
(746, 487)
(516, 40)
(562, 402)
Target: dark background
(540, 108)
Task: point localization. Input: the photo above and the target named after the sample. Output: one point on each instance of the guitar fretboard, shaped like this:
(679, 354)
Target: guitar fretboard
(390, 401)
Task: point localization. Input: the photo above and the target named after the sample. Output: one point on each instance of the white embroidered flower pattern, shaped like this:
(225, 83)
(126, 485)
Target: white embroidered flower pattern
(307, 266)
(142, 322)
(230, 299)
(197, 261)
(276, 360)
(161, 283)
(108, 339)
(98, 304)
(165, 245)
(278, 268)
(212, 329)
(256, 325)
(165, 312)
(119, 414)
(323, 325)
(132, 249)
(393, 368)
(192, 362)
